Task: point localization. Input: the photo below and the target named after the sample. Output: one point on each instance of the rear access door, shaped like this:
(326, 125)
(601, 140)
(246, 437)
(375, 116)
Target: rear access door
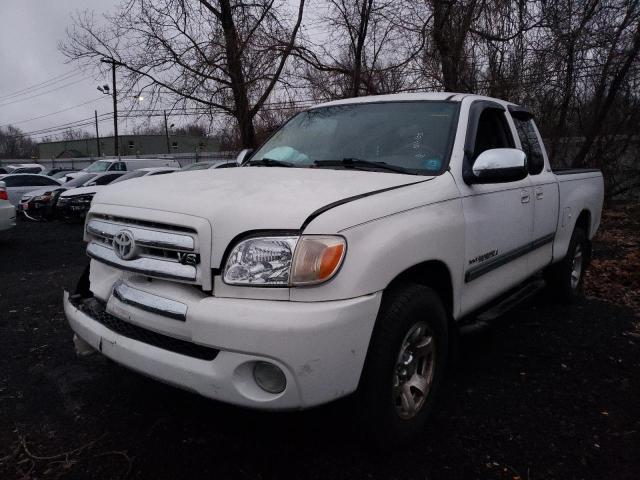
(545, 197)
(498, 216)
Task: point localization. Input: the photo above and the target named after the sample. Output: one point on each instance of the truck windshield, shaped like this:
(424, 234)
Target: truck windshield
(99, 166)
(411, 137)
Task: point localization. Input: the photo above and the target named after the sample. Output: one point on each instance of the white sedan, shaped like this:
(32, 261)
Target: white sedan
(20, 183)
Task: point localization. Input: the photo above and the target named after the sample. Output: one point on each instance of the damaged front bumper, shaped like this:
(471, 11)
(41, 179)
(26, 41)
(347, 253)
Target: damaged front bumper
(74, 207)
(320, 346)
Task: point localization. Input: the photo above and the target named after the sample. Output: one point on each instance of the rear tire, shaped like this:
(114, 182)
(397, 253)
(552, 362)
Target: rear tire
(405, 365)
(565, 278)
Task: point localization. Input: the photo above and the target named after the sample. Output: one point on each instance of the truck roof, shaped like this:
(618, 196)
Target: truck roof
(408, 97)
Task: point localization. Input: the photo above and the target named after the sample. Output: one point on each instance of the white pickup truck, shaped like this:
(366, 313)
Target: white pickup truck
(345, 256)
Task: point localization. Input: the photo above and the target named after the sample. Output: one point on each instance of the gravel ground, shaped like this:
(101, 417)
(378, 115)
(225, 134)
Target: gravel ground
(551, 392)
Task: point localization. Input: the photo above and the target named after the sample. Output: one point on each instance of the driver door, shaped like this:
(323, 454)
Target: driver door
(498, 216)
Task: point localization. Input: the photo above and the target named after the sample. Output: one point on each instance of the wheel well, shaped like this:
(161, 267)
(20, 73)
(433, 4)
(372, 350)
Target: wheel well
(433, 274)
(584, 221)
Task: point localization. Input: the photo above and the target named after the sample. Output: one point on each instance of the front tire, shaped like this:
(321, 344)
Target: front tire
(405, 365)
(565, 278)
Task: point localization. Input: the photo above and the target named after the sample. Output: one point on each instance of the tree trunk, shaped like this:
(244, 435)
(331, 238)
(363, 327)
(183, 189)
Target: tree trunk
(604, 105)
(451, 23)
(238, 85)
(365, 13)
(566, 101)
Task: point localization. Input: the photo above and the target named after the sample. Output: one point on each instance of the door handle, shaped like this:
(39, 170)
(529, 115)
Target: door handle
(539, 193)
(524, 196)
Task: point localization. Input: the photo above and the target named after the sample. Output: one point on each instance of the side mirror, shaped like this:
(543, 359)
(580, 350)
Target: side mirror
(92, 184)
(500, 165)
(243, 155)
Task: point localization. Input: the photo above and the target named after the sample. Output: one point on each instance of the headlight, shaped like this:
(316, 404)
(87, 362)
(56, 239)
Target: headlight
(86, 198)
(285, 261)
(261, 261)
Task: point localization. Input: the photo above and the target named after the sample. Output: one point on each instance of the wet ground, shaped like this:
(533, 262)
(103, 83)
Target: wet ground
(551, 392)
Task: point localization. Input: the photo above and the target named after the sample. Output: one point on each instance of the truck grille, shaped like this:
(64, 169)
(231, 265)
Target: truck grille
(149, 248)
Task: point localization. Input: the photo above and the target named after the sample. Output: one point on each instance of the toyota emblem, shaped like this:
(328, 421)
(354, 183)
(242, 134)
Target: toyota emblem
(124, 245)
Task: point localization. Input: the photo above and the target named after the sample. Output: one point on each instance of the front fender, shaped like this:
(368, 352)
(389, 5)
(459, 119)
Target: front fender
(382, 248)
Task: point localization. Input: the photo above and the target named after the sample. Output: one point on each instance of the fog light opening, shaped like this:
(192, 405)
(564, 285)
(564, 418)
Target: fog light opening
(269, 377)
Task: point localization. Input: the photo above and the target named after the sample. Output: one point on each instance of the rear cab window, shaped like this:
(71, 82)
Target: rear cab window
(530, 144)
(118, 167)
(529, 141)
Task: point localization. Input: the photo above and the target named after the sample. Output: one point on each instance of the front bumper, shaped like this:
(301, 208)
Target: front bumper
(71, 208)
(36, 208)
(320, 346)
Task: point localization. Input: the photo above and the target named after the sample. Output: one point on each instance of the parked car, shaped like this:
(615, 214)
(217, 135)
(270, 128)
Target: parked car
(40, 204)
(7, 210)
(221, 163)
(23, 168)
(126, 165)
(345, 256)
(73, 204)
(17, 184)
(144, 172)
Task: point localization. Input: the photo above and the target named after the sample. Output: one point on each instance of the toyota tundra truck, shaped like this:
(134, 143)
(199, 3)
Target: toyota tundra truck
(344, 257)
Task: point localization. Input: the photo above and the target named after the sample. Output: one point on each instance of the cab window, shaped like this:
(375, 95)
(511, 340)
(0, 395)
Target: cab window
(118, 167)
(530, 144)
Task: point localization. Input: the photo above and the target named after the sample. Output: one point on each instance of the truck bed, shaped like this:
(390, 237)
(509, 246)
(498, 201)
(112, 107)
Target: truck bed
(580, 189)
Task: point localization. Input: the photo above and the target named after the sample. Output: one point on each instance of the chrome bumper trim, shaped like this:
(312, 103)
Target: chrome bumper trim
(149, 302)
(145, 266)
(143, 236)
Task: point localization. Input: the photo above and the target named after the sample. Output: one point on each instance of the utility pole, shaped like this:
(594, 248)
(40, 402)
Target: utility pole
(166, 131)
(97, 134)
(114, 94)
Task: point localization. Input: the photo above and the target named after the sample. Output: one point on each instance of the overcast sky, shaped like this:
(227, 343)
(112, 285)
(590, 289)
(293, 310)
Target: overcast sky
(35, 78)
(29, 34)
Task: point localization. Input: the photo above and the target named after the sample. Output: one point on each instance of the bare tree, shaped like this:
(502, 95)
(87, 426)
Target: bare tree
(74, 134)
(14, 144)
(617, 57)
(363, 50)
(224, 56)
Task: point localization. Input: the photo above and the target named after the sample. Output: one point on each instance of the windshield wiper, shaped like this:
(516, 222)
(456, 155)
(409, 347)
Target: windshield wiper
(360, 164)
(269, 162)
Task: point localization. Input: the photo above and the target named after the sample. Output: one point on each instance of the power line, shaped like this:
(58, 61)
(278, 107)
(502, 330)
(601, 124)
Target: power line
(41, 85)
(79, 126)
(64, 126)
(43, 93)
(54, 113)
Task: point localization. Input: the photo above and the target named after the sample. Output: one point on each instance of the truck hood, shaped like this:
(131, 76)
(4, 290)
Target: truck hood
(237, 200)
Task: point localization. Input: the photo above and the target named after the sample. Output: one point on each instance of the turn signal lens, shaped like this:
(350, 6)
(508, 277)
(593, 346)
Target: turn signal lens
(317, 259)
